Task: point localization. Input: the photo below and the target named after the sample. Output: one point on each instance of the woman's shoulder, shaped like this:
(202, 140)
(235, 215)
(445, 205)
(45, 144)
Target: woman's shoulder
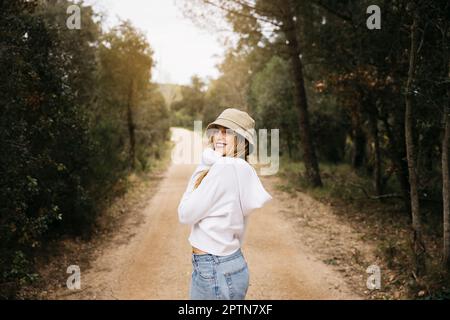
(242, 167)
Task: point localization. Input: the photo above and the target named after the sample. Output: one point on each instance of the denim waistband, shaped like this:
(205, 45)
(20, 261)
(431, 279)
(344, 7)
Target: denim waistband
(212, 257)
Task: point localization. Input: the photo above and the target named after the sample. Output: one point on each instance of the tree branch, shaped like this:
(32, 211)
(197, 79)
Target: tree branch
(257, 17)
(334, 12)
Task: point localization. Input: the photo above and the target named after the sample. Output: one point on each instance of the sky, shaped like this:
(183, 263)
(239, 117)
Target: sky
(181, 49)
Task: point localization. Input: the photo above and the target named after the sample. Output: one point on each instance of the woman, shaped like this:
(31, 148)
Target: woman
(222, 192)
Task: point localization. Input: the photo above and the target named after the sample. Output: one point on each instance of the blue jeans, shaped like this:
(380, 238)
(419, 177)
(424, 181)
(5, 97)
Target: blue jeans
(219, 277)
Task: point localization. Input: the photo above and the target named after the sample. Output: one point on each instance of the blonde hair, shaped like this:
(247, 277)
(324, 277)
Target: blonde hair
(241, 150)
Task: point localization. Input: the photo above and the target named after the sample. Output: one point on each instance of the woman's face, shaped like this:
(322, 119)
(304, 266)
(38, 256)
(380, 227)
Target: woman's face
(224, 140)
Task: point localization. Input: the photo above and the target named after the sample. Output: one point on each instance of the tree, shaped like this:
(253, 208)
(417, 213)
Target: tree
(192, 103)
(250, 19)
(418, 244)
(444, 28)
(45, 145)
(64, 99)
(446, 189)
(126, 59)
(300, 98)
(271, 95)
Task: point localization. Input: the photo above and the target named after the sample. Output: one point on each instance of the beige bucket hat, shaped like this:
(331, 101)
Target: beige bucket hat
(238, 121)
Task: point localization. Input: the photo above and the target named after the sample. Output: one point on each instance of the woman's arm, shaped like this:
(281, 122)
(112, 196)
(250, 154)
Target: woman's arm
(217, 188)
(252, 193)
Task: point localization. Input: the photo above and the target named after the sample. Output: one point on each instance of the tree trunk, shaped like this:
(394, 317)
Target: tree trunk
(300, 99)
(289, 145)
(401, 170)
(418, 245)
(131, 125)
(359, 139)
(377, 184)
(446, 190)
(445, 158)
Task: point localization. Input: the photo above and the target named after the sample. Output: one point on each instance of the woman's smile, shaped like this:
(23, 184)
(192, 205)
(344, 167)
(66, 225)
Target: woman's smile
(220, 144)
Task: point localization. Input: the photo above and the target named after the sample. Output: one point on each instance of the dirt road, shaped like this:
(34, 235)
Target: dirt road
(155, 263)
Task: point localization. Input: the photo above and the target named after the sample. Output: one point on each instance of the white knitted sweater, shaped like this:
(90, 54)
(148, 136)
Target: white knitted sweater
(218, 209)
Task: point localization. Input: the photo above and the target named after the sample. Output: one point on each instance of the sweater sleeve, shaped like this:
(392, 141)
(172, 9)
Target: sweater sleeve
(252, 192)
(216, 187)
